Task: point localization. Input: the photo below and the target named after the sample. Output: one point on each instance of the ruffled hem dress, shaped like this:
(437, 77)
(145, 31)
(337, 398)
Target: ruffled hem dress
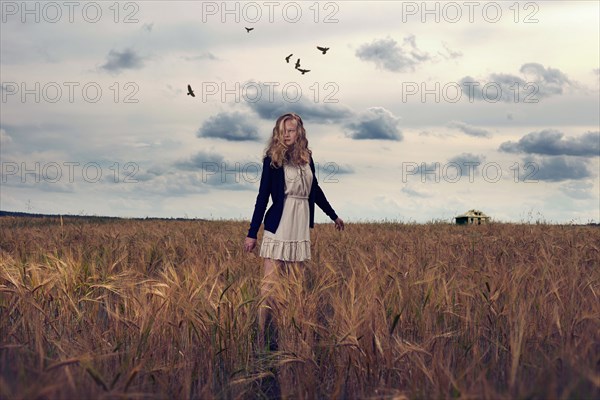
(291, 241)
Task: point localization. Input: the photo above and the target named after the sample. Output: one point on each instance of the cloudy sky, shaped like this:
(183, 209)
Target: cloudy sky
(417, 112)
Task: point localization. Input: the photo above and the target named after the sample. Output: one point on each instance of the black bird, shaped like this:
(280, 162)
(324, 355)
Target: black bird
(248, 29)
(303, 70)
(297, 63)
(323, 49)
(190, 91)
(288, 58)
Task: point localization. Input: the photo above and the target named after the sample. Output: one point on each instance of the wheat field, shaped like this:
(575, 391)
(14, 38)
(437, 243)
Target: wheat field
(167, 309)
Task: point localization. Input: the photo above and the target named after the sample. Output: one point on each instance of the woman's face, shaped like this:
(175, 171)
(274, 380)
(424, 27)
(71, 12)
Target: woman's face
(290, 133)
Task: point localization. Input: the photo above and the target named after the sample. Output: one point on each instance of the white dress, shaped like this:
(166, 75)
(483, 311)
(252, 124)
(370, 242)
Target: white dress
(291, 242)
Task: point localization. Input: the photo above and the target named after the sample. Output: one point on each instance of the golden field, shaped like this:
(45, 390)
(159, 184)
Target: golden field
(167, 309)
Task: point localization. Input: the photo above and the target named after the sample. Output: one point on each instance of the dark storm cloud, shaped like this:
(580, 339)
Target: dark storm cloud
(213, 170)
(557, 168)
(468, 129)
(386, 54)
(121, 60)
(233, 126)
(536, 83)
(322, 114)
(555, 78)
(376, 123)
(465, 163)
(552, 142)
(271, 101)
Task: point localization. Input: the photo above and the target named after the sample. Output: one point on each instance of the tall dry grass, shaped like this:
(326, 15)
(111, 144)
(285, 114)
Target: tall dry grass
(168, 309)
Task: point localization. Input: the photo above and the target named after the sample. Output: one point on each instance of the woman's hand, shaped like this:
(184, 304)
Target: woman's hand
(339, 224)
(249, 244)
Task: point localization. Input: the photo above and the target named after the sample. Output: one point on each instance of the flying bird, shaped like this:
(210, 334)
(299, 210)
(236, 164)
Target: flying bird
(288, 58)
(323, 49)
(248, 29)
(190, 91)
(303, 70)
(297, 63)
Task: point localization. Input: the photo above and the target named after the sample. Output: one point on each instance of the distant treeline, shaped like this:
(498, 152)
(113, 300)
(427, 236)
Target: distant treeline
(87, 217)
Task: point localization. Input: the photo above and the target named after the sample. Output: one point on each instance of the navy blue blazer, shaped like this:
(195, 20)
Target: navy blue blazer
(272, 182)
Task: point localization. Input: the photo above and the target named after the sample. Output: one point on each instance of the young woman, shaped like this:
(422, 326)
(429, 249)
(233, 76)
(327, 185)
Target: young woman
(288, 177)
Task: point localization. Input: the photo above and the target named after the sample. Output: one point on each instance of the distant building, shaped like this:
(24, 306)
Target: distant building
(474, 217)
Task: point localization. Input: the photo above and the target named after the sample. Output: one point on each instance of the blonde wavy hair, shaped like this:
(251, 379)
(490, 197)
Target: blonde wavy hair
(298, 153)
